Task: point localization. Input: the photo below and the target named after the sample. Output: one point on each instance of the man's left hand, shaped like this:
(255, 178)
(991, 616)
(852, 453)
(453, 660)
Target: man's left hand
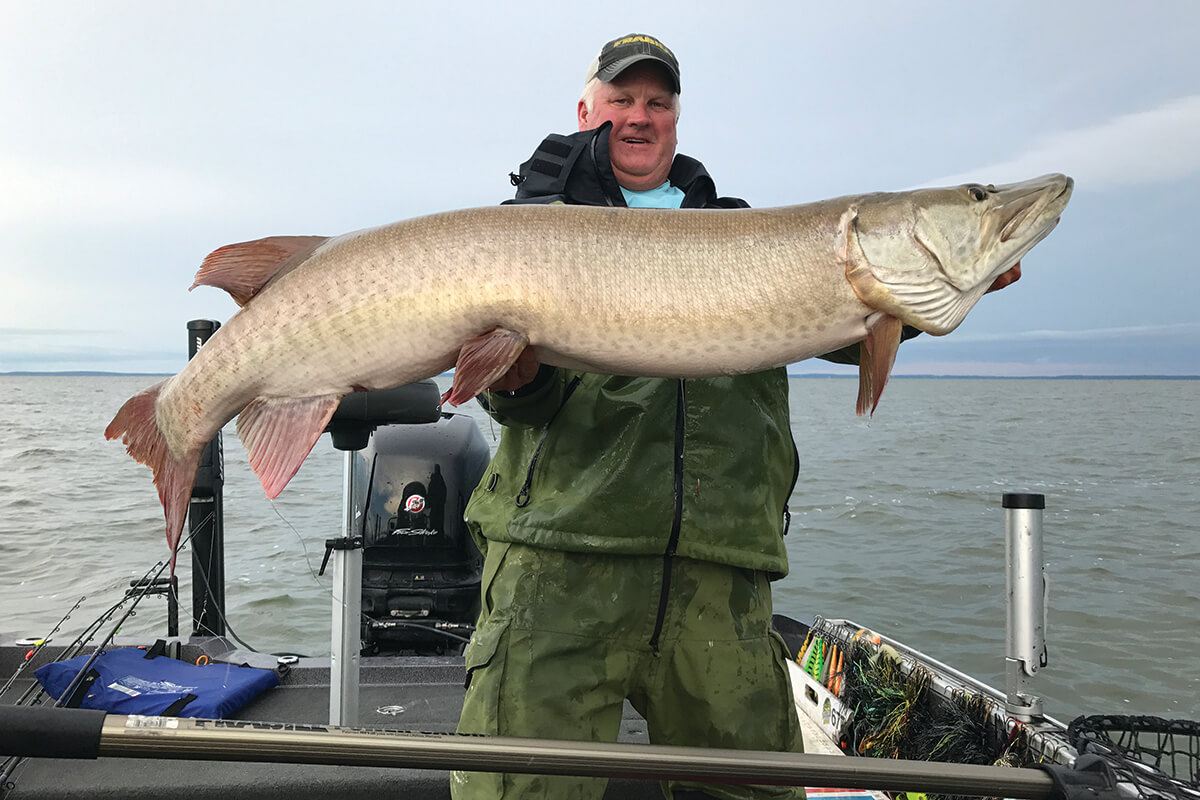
(1005, 278)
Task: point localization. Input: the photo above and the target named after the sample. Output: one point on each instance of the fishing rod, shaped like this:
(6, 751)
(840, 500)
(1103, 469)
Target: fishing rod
(9, 766)
(89, 734)
(81, 641)
(38, 645)
(146, 586)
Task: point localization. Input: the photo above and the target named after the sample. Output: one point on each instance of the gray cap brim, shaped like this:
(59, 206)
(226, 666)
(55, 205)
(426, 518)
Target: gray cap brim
(609, 73)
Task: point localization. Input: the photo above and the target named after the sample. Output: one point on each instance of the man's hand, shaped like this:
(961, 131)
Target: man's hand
(1004, 279)
(523, 370)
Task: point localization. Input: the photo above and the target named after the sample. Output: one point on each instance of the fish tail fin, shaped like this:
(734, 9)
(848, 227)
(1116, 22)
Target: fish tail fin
(877, 354)
(135, 425)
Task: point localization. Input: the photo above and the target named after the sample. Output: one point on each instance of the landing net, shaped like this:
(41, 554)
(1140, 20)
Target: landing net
(1157, 758)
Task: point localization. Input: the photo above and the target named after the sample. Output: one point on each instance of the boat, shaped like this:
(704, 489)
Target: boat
(378, 714)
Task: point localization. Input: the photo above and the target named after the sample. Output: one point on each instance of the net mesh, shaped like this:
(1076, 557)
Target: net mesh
(1158, 758)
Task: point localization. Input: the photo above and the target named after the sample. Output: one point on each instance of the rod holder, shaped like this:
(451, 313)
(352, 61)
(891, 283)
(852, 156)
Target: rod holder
(206, 518)
(1025, 583)
(346, 635)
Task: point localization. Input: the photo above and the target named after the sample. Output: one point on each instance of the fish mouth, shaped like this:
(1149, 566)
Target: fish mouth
(1015, 220)
(1020, 202)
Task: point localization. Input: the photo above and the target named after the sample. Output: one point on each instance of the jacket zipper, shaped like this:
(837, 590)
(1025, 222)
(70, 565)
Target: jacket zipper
(677, 519)
(522, 498)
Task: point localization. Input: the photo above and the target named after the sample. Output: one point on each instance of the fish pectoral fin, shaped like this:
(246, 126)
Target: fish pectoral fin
(877, 354)
(279, 433)
(243, 269)
(481, 360)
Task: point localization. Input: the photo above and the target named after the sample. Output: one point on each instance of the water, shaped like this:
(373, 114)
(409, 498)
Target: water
(896, 524)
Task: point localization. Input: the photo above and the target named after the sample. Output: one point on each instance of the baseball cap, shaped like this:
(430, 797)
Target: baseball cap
(620, 54)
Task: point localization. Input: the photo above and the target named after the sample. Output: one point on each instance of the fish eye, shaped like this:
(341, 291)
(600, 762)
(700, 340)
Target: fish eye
(977, 192)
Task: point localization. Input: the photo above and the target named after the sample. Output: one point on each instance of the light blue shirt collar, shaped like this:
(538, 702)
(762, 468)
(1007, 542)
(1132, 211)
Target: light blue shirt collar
(665, 196)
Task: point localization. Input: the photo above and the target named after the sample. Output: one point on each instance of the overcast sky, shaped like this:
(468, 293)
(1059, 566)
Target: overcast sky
(135, 137)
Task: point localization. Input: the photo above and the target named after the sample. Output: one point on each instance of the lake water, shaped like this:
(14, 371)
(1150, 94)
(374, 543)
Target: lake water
(896, 525)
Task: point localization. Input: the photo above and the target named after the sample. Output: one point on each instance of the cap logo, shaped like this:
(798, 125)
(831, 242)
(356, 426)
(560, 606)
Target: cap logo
(414, 504)
(644, 39)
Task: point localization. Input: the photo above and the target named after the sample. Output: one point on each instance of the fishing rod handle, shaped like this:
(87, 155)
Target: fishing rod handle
(47, 732)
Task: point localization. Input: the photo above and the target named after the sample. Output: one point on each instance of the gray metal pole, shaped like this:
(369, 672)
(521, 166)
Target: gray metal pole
(1025, 582)
(240, 740)
(345, 647)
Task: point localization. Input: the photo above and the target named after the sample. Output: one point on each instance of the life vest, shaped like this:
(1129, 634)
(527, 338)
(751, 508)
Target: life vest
(134, 681)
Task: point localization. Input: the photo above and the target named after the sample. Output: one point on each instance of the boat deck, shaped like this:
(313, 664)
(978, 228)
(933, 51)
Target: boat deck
(419, 694)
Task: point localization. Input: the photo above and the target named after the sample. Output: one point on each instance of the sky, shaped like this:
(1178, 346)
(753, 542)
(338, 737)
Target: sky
(136, 137)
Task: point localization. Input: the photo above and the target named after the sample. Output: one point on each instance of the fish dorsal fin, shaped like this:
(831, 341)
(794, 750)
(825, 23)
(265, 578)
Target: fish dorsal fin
(243, 269)
(279, 433)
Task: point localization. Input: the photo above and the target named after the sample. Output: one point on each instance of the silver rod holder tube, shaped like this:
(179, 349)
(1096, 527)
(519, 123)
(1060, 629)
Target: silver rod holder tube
(1025, 582)
(346, 643)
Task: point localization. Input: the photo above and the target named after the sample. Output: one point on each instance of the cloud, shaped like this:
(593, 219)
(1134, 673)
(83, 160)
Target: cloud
(1143, 147)
(48, 331)
(1180, 330)
(53, 348)
(1048, 368)
(44, 190)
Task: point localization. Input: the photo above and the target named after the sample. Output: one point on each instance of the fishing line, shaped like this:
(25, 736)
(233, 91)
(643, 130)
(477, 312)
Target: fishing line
(221, 613)
(208, 592)
(208, 588)
(307, 559)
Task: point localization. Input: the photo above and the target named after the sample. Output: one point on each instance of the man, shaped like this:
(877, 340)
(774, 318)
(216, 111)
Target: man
(630, 526)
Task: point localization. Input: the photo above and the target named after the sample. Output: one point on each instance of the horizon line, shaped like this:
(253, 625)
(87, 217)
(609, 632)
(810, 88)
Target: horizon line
(845, 375)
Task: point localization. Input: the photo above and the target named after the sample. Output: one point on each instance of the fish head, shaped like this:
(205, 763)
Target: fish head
(927, 256)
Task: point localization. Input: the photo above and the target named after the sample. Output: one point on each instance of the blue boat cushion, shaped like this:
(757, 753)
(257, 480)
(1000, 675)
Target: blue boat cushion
(133, 681)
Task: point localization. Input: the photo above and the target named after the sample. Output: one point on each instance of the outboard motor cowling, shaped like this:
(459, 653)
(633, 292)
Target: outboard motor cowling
(421, 569)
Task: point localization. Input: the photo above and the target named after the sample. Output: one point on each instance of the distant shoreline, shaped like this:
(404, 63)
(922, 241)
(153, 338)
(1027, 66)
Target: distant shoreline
(919, 376)
(82, 374)
(100, 374)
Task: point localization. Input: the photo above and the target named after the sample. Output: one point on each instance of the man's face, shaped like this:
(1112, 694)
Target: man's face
(641, 107)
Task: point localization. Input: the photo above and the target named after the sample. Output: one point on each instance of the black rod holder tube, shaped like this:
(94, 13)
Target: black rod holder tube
(206, 522)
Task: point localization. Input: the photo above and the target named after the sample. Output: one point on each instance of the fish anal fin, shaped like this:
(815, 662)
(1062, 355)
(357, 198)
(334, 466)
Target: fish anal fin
(243, 269)
(877, 354)
(279, 433)
(135, 425)
(481, 360)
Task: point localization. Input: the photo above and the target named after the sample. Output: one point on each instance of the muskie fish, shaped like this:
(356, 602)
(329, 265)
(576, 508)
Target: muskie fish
(671, 294)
